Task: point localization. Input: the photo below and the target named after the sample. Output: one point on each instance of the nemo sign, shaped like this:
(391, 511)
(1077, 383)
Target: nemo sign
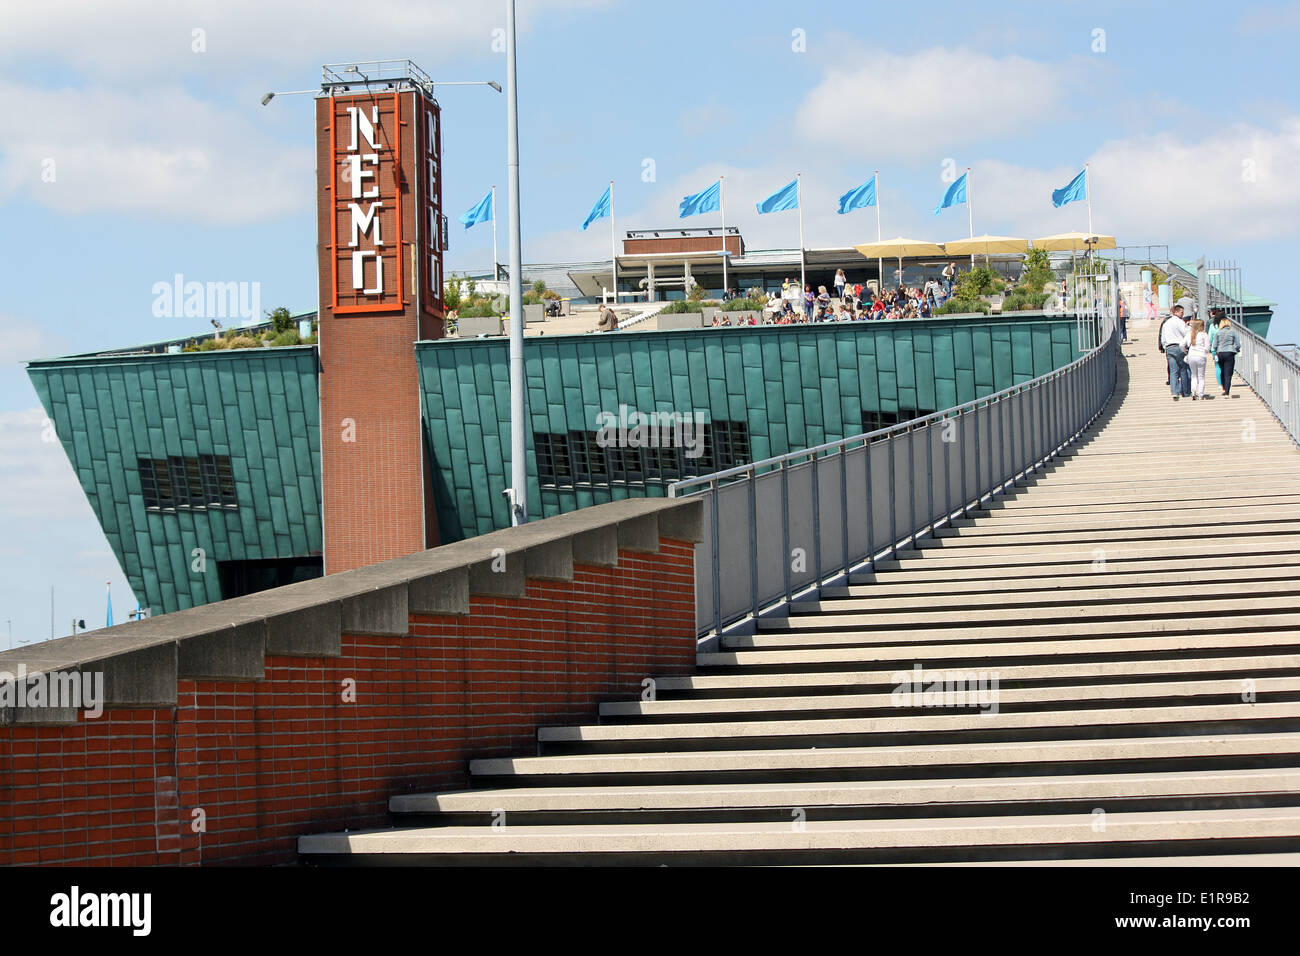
(379, 162)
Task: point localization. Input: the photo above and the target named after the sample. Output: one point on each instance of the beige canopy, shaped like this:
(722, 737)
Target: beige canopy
(986, 245)
(899, 248)
(1074, 242)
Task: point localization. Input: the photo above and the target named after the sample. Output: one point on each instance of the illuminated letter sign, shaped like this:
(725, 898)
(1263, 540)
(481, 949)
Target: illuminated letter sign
(365, 199)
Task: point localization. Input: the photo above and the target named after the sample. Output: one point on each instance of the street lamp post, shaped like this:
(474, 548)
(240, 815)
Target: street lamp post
(518, 491)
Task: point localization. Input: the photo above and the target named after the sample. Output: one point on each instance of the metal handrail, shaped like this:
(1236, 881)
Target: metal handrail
(1280, 392)
(1027, 436)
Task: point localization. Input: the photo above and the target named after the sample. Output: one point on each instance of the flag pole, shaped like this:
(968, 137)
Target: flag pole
(613, 243)
(798, 200)
(970, 212)
(722, 206)
(880, 262)
(496, 269)
(1087, 192)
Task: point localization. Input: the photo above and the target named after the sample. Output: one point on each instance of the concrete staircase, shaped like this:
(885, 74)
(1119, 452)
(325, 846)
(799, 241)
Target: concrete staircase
(1138, 602)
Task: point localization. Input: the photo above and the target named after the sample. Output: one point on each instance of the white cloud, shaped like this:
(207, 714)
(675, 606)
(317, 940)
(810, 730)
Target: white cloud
(50, 536)
(910, 105)
(22, 341)
(1163, 189)
(158, 152)
(138, 38)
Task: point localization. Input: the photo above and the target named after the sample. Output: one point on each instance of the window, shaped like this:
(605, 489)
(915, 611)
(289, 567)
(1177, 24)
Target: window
(553, 464)
(194, 483)
(576, 458)
(590, 465)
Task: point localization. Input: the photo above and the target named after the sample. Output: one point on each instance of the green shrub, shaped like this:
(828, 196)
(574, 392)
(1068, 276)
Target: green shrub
(975, 283)
(680, 307)
(480, 310)
(287, 337)
(243, 342)
(744, 305)
(1025, 301)
(539, 287)
(956, 306)
(212, 344)
(281, 320)
(451, 293)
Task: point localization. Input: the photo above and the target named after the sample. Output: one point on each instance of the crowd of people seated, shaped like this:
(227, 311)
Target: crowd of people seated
(852, 302)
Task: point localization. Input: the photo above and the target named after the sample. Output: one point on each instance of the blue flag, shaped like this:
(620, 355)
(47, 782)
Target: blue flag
(1077, 189)
(787, 197)
(706, 201)
(482, 212)
(864, 195)
(955, 196)
(598, 211)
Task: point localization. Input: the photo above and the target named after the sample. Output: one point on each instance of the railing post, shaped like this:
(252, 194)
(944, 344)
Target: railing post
(929, 475)
(717, 563)
(817, 520)
(911, 488)
(785, 526)
(871, 510)
(893, 505)
(979, 478)
(753, 541)
(844, 508)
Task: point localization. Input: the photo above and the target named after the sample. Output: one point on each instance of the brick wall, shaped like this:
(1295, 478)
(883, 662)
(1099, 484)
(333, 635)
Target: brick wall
(270, 760)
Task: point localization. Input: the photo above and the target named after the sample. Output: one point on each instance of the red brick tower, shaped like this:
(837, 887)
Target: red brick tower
(380, 243)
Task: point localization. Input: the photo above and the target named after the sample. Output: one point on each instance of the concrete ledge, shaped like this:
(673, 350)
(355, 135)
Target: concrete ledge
(308, 632)
(597, 548)
(381, 611)
(639, 534)
(142, 660)
(550, 562)
(498, 577)
(38, 716)
(236, 653)
(443, 593)
(142, 677)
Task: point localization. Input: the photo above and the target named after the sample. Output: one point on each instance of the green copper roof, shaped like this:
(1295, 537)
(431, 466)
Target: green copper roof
(790, 387)
(258, 406)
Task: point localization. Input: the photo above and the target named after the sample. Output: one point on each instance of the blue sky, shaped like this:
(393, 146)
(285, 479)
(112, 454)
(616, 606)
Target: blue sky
(164, 162)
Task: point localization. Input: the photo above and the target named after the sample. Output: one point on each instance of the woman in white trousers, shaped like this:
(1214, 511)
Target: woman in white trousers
(1198, 353)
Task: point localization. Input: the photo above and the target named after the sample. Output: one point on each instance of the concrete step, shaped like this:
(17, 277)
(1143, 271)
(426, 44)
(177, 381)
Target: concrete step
(1170, 593)
(699, 686)
(853, 731)
(850, 797)
(996, 653)
(1144, 753)
(914, 576)
(887, 701)
(991, 624)
(790, 838)
(1187, 517)
(1101, 591)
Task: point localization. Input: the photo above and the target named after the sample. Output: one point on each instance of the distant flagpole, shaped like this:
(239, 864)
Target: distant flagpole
(722, 205)
(970, 212)
(798, 198)
(108, 594)
(1087, 189)
(496, 269)
(880, 263)
(613, 243)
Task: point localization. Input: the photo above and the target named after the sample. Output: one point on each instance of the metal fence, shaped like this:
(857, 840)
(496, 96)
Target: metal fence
(1273, 374)
(785, 524)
